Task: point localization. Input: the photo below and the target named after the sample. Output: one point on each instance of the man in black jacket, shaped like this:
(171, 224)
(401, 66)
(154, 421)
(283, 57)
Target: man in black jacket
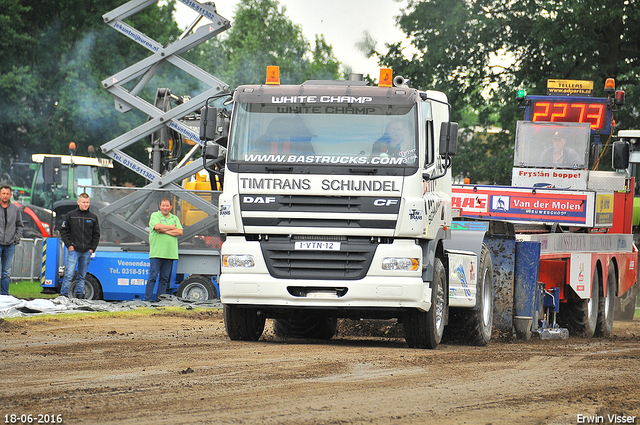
(80, 233)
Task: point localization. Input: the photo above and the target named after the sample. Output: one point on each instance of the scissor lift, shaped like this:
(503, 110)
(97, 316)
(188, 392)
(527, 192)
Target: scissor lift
(140, 74)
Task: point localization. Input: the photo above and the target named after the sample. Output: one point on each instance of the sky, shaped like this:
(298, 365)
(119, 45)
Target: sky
(342, 22)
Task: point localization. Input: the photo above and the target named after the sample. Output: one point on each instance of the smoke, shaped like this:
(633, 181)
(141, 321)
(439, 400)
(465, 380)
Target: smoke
(367, 44)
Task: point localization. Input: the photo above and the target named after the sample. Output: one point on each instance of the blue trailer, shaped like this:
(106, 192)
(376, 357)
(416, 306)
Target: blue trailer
(115, 274)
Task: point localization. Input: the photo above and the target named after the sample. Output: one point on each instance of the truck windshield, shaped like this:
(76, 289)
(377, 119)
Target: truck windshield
(551, 145)
(83, 175)
(379, 135)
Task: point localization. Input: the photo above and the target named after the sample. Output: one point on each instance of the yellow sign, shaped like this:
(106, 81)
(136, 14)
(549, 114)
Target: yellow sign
(604, 209)
(570, 87)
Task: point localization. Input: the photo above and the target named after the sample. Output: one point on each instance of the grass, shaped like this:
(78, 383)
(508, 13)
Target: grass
(28, 289)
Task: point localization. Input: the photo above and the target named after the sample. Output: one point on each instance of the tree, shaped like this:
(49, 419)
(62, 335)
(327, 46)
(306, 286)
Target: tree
(324, 65)
(263, 35)
(460, 45)
(54, 56)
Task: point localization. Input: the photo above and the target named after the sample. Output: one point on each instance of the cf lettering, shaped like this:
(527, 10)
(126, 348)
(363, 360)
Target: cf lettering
(385, 202)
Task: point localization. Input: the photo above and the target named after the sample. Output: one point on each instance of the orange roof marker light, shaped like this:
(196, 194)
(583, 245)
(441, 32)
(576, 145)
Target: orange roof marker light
(610, 85)
(273, 75)
(386, 77)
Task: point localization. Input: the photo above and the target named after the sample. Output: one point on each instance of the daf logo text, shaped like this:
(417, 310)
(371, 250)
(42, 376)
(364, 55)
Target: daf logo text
(258, 200)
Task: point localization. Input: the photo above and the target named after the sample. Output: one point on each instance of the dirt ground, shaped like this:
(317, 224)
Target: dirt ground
(181, 368)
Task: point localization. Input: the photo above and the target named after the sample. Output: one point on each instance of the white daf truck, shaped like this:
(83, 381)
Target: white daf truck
(337, 204)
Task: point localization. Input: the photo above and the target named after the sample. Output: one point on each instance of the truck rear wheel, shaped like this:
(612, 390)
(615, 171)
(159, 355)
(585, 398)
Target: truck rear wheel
(480, 320)
(425, 329)
(243, 324)
(581, 317)
(92, 288)
(606, 305)
(309, 327)
(197, 288)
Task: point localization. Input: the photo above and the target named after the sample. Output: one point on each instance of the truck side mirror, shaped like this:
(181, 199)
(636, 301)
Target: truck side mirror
(214, 125)
(211, 151)
(208, 121)
(620, 156)
(448, 138)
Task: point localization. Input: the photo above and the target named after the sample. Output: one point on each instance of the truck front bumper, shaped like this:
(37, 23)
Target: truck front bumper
(370, 292)
(378, 289)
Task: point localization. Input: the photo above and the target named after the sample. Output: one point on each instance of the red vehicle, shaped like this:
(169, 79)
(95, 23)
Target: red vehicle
(36, 220)
(588, 260)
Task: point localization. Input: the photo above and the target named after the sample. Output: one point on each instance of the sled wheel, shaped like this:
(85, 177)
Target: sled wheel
(581, 317)
(606, 305)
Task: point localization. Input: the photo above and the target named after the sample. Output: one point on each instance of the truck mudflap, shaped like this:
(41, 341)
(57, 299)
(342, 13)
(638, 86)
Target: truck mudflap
(514, 300)
(527, 296)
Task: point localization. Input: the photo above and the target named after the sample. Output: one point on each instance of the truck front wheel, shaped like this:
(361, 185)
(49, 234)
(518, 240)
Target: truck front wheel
(243, 323)
(425, 329)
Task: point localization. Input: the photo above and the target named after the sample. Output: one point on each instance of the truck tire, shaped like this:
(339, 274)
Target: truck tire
(606, 306)
(474, 326)
(480, 320)
(425, 329)
(243, 324)
(197, 288)
(308, 327)
(92, 288)
(581, 317)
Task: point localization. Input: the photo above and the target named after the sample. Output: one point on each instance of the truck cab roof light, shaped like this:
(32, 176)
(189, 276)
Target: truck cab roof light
(610, 85)
(273, 75)
(386, 77)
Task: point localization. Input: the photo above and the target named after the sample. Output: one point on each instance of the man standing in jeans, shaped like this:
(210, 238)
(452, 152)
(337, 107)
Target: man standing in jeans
(164, 229)
(10, 233)
(80, 233)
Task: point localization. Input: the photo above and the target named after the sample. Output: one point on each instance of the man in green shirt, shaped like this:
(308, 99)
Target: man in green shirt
(164, 229)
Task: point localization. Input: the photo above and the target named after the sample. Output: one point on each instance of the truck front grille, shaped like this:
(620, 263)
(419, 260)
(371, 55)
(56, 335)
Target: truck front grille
(349, 212)
(354, 223)
(351, 262)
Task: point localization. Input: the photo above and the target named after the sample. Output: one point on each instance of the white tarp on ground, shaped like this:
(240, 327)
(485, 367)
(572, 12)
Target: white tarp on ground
(14, 307)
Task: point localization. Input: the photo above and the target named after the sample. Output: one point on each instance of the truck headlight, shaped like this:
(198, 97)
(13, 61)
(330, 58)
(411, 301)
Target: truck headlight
(232, 260)
(407, 264)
